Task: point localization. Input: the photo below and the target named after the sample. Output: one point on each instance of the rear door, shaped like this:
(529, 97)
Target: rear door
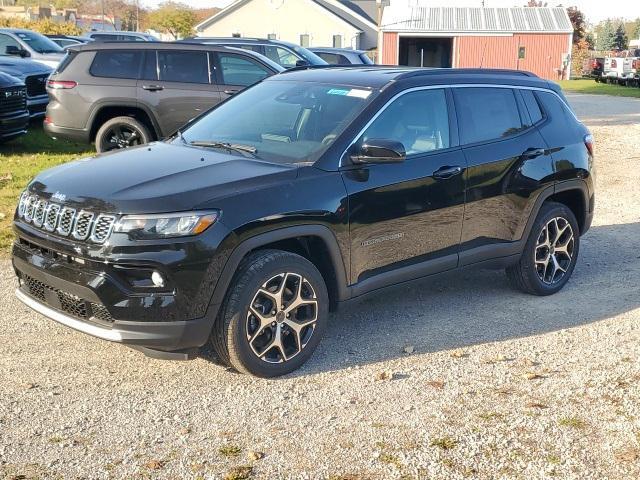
(509, 164)
(177, 86)
(235, 72)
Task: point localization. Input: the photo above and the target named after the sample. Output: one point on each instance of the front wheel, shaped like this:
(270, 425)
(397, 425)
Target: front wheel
(550, 253)
(274, 316)
(121, 132)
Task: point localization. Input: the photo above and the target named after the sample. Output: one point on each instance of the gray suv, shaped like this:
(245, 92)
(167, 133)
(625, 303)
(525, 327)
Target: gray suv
(124, 94)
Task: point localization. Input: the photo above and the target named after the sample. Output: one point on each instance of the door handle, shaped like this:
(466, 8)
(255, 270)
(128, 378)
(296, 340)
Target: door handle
(152, 88)
(447, 172)
(231, 92)
(533, 153)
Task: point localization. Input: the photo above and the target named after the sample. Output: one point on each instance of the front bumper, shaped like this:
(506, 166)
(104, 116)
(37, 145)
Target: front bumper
(37, 106)
(93, 292)
(13, 126)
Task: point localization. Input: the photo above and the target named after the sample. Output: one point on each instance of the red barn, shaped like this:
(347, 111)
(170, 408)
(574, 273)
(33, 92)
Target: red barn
(537, 39)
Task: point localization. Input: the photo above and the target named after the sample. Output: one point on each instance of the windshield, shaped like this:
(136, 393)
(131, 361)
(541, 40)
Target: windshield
(39, 43)
(281, 121)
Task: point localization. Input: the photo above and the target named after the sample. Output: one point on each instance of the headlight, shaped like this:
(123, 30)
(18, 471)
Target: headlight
(166, 225)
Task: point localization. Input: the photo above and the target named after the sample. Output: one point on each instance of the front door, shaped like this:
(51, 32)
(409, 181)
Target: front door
(177, 86)
(406, 218)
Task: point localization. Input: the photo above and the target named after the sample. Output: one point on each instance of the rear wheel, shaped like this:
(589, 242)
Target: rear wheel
(274, 316)
(550, 253)
(121, 132)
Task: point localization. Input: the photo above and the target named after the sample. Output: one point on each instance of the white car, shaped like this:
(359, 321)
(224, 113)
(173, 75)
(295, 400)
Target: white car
(32, 45)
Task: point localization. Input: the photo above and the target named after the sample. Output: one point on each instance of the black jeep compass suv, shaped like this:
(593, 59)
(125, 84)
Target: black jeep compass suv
(311, 188)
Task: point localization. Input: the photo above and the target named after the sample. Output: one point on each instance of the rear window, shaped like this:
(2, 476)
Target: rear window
(66, 61)
(486, 113)
(333, 58)
(184, 66)
(116, 64)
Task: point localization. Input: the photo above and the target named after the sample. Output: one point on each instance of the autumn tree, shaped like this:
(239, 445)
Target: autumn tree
(176, 19)
(578, 22)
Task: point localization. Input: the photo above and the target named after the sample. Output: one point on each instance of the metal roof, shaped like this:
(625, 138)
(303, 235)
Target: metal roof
(400, 17)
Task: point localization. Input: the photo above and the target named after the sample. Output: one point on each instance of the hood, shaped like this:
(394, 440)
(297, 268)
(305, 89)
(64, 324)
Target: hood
(7, 80)
(156, 178)
(22, 68)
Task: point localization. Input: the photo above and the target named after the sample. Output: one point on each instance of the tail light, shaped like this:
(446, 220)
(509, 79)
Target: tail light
(61, 84)
(635, 64)
(48, 121)
(588, 142)
(595, 64)
(614, 63)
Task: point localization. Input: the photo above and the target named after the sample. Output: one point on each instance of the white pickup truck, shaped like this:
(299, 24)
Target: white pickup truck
(623, 70)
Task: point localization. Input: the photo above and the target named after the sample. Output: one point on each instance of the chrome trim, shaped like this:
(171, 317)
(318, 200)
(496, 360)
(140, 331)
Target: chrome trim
(39, 212)
(48, 226)
(439, 87)
(79, 217)
(60, 230)
(94, 330)
(110, 221)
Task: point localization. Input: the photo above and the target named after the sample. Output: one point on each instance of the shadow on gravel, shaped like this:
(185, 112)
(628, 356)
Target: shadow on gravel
(472, 306)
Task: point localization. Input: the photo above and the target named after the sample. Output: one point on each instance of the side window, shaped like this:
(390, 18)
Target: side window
(150, 67)
(419, 120)
(330, 58)
(486, 113)
(281, 56)
(237, 70)
(183, 66)
(532, 106)
(7, 41)
(116, 64)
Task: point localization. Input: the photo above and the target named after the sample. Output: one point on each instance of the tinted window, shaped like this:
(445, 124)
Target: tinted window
(237, 70)
(7, 41)
(116, 64)
(150, 67)
(184, 67)
(366, 59)
(38, 42)
(105, 38)
(486, 113)
(334, 58)
(281, 56)
(532, 106)
(419, 120)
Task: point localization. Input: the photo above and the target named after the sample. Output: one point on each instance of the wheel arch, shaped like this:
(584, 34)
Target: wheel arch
(316, 243)
(106, 111)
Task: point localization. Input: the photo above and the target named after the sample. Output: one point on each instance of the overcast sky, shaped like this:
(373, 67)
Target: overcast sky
(595, 10)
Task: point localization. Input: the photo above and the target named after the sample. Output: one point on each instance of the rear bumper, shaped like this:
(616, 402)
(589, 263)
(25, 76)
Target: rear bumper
(73, 134)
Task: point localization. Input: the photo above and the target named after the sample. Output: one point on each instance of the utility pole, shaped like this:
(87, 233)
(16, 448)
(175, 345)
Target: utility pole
(137, 15)
(102, 4)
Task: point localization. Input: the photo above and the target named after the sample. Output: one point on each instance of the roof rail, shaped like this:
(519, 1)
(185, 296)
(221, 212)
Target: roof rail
(470, 71)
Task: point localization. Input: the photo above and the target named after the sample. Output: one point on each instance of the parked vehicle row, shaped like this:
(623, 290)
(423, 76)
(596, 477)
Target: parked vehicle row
(311, 188)
(622, 69)
(14, 114)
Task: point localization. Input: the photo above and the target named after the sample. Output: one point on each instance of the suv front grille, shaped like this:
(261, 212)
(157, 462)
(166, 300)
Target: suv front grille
(36, 85)
(13, 100)
(65, 221)
(66, 302)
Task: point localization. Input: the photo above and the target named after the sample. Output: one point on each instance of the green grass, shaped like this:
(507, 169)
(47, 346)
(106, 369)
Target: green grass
(591, 86)
(20, 161)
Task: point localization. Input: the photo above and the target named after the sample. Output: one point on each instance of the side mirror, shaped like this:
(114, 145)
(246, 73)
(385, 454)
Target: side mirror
(378, 150)
(16, 51)
(302, 63)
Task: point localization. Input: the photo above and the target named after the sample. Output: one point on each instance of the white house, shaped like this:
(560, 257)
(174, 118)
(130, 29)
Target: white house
(318, 23)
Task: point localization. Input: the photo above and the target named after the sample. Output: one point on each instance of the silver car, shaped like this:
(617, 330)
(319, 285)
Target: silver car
(33, 45)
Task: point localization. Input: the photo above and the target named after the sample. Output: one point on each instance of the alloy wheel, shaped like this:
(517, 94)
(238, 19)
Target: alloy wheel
(121, 136)
(554, 250)
(282, 317)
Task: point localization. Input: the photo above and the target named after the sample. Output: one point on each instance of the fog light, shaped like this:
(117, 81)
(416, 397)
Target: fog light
(157, 279)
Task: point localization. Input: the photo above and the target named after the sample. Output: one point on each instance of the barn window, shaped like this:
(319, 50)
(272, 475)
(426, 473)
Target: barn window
(236, 35)
(337, 41)
(304, 40)
(521, 52)
(272, 36)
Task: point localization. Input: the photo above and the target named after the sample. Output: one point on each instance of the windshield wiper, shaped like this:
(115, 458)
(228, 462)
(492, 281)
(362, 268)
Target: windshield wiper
(233, 147)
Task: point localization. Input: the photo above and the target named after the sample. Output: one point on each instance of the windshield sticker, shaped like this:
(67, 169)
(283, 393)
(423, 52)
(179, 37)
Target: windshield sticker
(359, 93)
(337, 91)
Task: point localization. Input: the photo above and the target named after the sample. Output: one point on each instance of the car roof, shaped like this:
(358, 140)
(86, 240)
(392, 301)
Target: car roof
(238, 40)
(380, 76)
(336, 50)
(94, 46)
(117, 32)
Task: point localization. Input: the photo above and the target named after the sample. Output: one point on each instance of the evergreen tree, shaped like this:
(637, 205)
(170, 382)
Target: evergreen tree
(606, 36)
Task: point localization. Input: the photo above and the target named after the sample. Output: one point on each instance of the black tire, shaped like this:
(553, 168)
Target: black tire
(122, 132)
(231, 331)
(526, 275)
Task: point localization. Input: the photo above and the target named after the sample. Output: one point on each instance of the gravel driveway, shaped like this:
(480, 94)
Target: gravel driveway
(497, 385)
